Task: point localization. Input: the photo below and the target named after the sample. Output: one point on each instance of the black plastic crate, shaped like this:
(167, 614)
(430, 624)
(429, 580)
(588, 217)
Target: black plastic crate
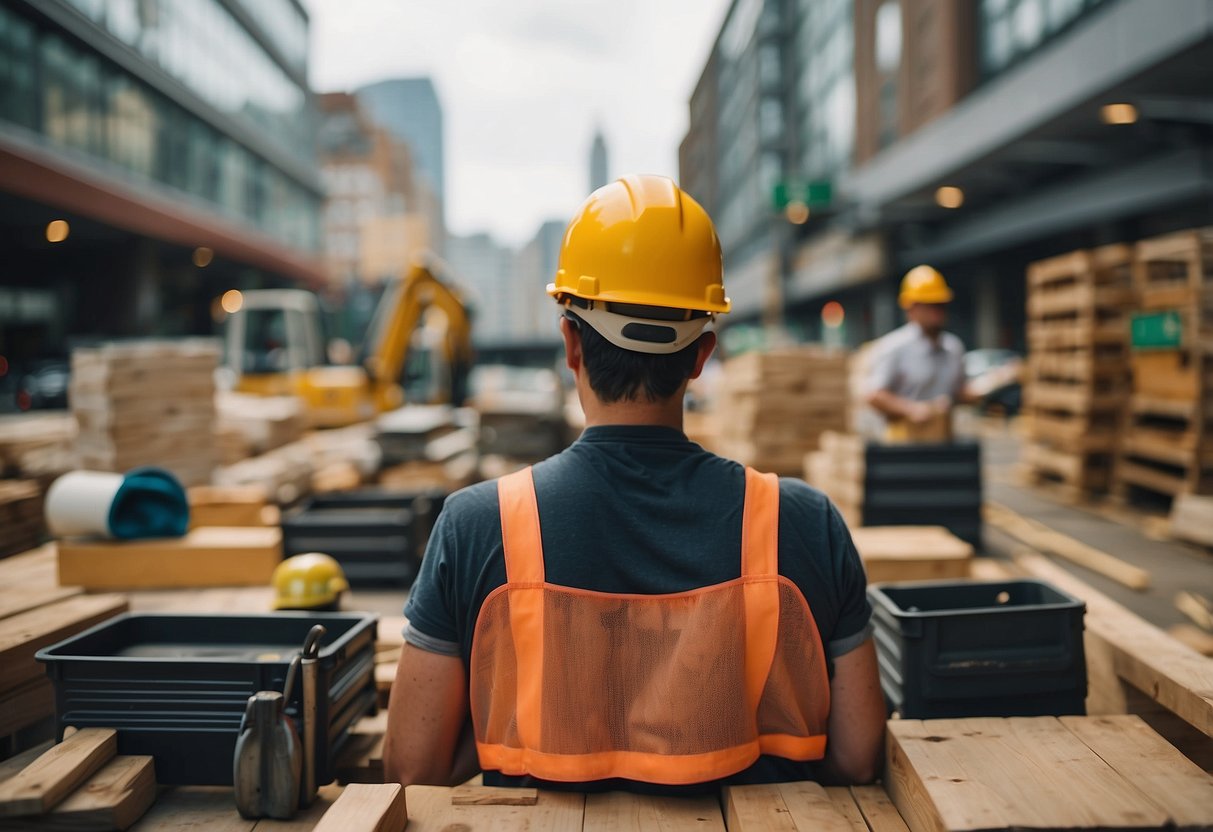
(377, 535)
(976, 648)
(176, 686)
(937, 484)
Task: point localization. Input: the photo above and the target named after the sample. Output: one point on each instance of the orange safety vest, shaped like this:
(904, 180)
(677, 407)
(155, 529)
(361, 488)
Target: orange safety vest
(573, 685)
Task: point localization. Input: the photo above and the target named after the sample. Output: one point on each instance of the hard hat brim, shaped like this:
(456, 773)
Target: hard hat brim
(643, 299)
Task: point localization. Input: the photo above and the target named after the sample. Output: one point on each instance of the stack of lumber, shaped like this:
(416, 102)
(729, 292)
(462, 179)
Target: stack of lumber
(1078, 369)
(80, 783)
(838, 470)
(1076, 772)
(429, 446)
(21, 523)
(146, 403)
(344, 458)
(774, 406)
(521, 413)
(36, 612)
(912, 553)
(37, 446)
(284, 474)
(1167, 445)
(1192, 519)
(249, 425)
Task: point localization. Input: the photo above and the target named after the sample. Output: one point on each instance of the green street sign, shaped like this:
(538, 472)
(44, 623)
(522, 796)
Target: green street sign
(816, 194)
(1156, 330)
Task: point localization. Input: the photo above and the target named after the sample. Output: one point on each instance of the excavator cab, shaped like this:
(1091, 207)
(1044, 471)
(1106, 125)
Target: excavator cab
(273, 340)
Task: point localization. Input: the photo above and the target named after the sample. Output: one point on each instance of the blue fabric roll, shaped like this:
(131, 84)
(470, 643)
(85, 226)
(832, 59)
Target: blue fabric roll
(149, 503)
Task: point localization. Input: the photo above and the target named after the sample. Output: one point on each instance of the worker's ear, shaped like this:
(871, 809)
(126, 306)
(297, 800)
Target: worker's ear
(706, 343)
(572, 344)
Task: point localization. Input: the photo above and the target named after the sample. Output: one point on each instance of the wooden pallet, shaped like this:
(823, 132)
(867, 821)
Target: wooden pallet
(1176, 272)
(1076, 383)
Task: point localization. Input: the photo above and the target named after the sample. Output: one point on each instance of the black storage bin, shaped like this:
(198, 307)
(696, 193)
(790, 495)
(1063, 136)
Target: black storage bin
(176, 686)
(377, 535)
(965, 648)
(937, 484)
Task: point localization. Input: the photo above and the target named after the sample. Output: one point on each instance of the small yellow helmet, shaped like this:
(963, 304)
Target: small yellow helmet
(642, 241)
(308, 582)
(923, 284)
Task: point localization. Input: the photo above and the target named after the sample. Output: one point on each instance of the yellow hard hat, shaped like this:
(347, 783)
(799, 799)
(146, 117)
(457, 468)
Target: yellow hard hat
(923, 284)
(307, 582)
(642, 241)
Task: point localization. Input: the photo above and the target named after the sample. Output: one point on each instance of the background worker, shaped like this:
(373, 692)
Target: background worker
(669, 618)
(916, 372)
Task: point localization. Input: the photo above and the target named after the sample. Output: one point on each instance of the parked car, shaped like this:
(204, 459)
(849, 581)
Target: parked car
(43, 386)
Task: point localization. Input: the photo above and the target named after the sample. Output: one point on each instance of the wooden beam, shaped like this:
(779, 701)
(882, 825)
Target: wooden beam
(466, 795)
(57, 773)
(878, 810)
(18, 598)
(113, 798)
(789, 807)
(1172, 674)
(430, 810)
(366, 808)
(1041, 537)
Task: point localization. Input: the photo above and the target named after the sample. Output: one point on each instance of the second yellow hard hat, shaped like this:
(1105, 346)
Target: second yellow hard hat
(923, 284)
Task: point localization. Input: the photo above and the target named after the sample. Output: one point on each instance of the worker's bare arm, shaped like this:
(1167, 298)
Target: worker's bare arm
(426, 717)
(855, 752)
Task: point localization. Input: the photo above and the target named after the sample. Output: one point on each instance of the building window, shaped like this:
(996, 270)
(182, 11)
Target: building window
(1009, 30)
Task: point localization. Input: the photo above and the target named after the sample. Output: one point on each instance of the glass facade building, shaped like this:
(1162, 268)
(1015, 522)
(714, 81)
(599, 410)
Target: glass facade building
(824, 90)
(207, 98)
(1010, 30)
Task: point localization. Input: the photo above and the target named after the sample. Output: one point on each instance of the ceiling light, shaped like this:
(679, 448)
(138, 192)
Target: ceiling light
(949, 196)
(797, 213)
(203, 257)
(232, 301)
(57, 231)
(1118, 114)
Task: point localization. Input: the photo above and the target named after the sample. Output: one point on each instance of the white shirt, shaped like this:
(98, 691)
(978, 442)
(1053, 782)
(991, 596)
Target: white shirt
(909, 364)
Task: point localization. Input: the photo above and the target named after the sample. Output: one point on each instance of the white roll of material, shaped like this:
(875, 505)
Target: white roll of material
(78, 504)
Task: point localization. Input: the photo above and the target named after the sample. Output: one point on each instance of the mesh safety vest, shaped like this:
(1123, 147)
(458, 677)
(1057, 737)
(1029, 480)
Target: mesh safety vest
(573, 685)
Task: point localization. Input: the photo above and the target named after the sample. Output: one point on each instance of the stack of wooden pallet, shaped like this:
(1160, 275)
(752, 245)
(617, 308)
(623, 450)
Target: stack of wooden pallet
(774, 406)
(146, 403)
(1078, 370)
(1167, 444)
(21, 524)
(838, 470)
(37, 446)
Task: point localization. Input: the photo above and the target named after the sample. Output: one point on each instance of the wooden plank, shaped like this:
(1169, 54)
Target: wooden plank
(912, 553)
(26, 705)
(1192, 519)
(467, 795)
(113, 798)
(15, 599)
(21, 636)
(306, 819)
(788, 807)
(366, 808)
(1169, 780)
(17, 762)
(194, 808)
(626, 812)
(430, 810)
(845, 808)
(1196, 607)
(57, 773)
(206, 557)
(1039, 536)
(878, 810)
(1194, 637)
(989, 773)
(1172, 674)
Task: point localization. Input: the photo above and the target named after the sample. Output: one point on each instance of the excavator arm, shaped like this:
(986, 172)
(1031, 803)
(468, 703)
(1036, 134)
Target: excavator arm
(398, 317)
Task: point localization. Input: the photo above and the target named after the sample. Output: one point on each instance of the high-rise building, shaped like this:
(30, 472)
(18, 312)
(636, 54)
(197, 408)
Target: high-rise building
(535, 267)
(175, 140)
(485, 269)
(379, 215)
(599, 175)
(409, 108)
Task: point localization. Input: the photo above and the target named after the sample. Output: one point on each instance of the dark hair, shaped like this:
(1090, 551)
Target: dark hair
(616, 374)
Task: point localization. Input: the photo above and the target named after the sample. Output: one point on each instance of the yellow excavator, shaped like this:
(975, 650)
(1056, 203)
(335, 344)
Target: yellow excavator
(274, 346)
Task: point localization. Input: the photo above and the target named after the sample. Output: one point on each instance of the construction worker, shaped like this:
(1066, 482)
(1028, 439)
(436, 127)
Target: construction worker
(916, 372)
(636, 612)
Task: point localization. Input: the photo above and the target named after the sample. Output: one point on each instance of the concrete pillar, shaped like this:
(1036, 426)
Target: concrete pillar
(986, 309)
(885, 312)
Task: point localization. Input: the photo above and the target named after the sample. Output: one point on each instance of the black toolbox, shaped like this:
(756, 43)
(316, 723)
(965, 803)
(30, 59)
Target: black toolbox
(377, 535)
(176, 686)
(976, 648)
(924, 484)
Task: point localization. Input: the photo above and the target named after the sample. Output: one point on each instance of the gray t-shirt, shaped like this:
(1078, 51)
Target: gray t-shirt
(637, 509)
(909, 364)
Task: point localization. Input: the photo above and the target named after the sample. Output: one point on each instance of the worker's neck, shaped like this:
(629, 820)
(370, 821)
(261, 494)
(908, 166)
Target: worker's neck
(666, 414)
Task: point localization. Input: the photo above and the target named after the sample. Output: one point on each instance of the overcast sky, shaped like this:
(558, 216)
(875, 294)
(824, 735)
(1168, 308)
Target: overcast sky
(522, 84)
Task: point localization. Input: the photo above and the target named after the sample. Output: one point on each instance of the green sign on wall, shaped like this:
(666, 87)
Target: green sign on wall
(1156, 330)
(817, 194)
